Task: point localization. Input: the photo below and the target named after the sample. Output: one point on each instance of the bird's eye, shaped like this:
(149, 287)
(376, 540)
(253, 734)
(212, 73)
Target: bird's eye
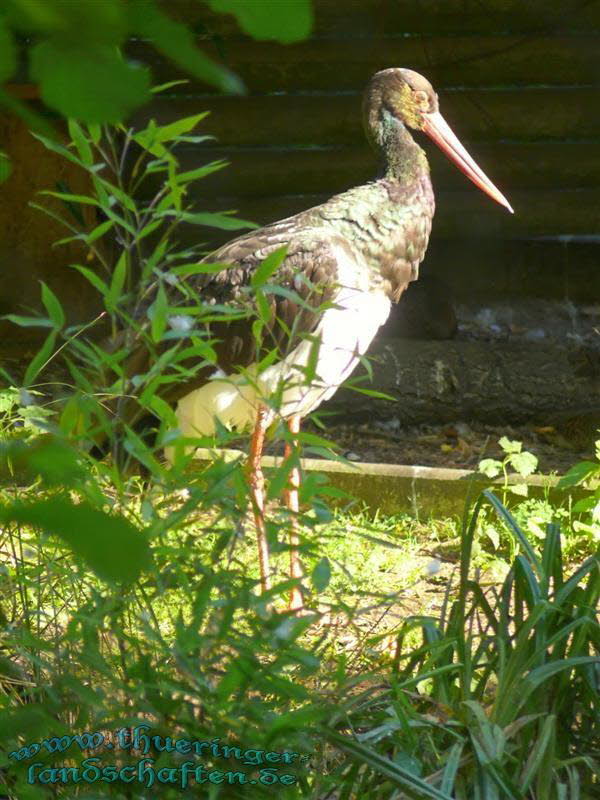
(422, 100)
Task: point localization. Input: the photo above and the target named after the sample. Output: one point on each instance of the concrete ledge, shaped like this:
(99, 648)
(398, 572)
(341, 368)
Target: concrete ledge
(397, 488)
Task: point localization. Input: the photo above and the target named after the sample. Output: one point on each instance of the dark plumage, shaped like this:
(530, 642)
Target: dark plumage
(380, 230)
(357, 252)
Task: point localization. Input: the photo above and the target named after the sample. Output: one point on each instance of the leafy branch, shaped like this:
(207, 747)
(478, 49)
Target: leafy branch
(74, 51)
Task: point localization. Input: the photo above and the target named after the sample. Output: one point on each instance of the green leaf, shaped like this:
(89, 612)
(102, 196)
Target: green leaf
(520, 489)
(542, 674)
(8, 52)
(39, 361)
(94, 279)
(270, 19)
(153, 136)
(114, 191)
(117, 282)
(9, 399)
(111, 546)
(372, 393)
(95, 131)
(223, 221)
(45, 456)
(149, 228)
(493, 535)
(119, 220)
(158, 313)
(177, 43)
(513, 526)
(154, 259)
(72, 416)
(78, 237)
(99, 231)
(257, 330)
(412, 785)
(265, 312)
(60, 149)
(5, 167)
(451, 768)
(579, 473)
(539, 750)
(28, 322)
(310, 371)
(509, 445)
(162, 410)
(53, 307)
(140, 450)
(90, 82)
(95, 22)
(490, 467)
(585, 504)
(201, 172)
(524, 463)
(162, 87)
(36, 122)
(314, 440)
(81, 143)
(321, 575)
(170, 132)
(270, 264)
(31, 721)
(184, 270)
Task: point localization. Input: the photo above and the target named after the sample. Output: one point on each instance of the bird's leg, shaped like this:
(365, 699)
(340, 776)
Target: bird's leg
(257, 488)
(291, 499)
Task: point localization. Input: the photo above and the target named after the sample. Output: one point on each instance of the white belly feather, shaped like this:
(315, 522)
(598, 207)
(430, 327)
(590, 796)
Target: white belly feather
(345, 332)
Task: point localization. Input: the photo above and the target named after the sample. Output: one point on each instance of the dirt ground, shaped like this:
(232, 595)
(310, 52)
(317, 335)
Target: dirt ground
(559, 438)
(460, 445)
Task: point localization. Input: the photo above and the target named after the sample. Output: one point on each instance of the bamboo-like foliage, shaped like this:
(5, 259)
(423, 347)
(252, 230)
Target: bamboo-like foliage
(501, 700)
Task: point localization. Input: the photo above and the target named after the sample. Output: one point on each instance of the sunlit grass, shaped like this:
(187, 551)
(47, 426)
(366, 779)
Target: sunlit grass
(382, 569)
(394, 665)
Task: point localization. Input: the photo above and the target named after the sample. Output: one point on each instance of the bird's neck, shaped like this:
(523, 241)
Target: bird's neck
(401, 158)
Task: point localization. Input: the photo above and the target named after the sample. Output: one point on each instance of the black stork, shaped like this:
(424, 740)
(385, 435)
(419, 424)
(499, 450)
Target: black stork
(355, 255)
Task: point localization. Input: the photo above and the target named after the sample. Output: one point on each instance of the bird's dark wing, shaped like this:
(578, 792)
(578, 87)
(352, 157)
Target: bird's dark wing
(311, 252)
(308, 275)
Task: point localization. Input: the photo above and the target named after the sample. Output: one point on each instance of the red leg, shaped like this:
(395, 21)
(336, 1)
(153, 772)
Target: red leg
(291, 498)
(257, 489)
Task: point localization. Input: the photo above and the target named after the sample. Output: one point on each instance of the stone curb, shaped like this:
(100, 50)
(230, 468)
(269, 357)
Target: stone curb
(399, 488)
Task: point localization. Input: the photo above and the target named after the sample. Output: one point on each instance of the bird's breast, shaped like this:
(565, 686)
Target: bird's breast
(388, 225)
(404, 221)
(302, 380)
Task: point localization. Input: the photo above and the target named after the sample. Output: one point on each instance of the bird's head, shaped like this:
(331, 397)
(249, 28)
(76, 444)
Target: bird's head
(403, 96)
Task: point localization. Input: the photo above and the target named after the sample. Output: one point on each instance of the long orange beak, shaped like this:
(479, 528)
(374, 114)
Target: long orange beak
(438, 129)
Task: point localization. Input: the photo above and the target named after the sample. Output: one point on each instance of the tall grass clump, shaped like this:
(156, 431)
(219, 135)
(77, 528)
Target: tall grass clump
(499, 699)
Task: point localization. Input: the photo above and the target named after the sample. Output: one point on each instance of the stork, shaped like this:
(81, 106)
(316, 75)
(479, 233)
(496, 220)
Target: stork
(354, 255)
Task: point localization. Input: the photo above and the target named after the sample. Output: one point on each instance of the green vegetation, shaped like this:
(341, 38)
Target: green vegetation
(490, 688)
(129, 600)
(586, 474)
(138, 200)
(398, 683)
(75, 51)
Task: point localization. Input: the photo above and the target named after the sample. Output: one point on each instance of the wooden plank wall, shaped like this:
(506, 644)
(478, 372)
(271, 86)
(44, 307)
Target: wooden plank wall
(518, 81)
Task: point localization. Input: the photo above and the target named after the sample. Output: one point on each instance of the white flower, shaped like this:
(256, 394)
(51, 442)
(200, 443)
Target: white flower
(181, 323)
(171, 279)
(26, 398)
(434, 566)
